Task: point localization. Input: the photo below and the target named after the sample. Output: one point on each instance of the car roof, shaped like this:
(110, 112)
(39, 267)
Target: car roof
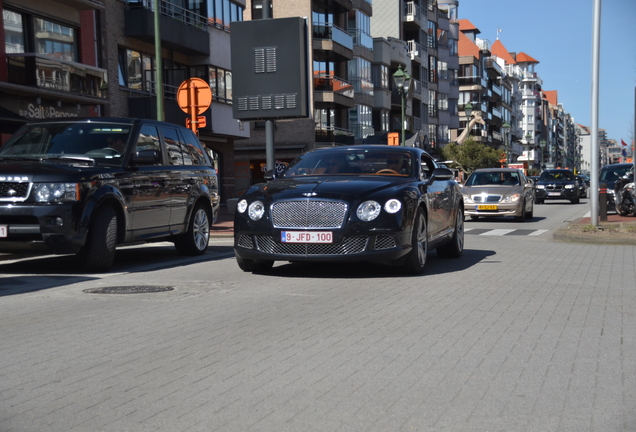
(119, 120)
(496, 170)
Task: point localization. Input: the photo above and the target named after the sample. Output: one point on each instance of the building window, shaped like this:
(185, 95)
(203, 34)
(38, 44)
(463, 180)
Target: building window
(380, 75)
(442, 68)
(257, 9)
(432, 35)
(442, 101)
(432, 65)
(48, 37)
(432, 103)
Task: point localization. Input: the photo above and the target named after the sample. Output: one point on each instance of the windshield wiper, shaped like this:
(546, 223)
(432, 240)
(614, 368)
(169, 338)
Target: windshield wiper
(84, 159)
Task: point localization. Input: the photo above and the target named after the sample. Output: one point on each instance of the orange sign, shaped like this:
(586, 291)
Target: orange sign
(194, 97)
(393, 139)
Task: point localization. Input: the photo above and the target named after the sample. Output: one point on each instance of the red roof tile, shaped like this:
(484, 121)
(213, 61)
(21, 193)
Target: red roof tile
(464, 24)
(500, 51)
(525, 58)
(466, 47)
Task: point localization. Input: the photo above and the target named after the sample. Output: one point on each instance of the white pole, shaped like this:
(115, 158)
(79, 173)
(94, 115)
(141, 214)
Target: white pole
(596, 37)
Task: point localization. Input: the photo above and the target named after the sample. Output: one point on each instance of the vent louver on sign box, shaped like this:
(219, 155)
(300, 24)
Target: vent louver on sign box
(270, 67)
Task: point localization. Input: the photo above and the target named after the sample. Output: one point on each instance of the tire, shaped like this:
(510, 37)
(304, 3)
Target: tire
(248, 265)
(539, 201)
(455, 247)
(530, 214)
(575, 200)
(416, 259)
(522, 218)
(195, 241)
(98, 253)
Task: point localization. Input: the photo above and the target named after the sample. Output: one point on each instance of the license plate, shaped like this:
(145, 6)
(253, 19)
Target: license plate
(4, 231)
(306, 237)
(487, 207)
(554, 194)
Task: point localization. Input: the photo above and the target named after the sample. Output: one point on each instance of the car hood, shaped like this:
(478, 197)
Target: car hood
(491, 190)
(44, 172)
(327, 188)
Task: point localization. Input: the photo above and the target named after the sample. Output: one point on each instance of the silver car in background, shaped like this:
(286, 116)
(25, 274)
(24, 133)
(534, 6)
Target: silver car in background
(497, 192)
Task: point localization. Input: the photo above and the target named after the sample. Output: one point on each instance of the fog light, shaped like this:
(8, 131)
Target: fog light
(59, 221)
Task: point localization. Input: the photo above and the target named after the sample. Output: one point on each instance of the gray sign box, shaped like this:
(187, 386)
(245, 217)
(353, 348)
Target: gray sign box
(270, 72)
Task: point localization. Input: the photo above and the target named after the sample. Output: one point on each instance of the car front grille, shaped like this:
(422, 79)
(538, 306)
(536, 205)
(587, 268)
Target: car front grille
(487, 198)
(554, 188)
(384, 242)
(309, 213)
(349, 246)
(14, 191)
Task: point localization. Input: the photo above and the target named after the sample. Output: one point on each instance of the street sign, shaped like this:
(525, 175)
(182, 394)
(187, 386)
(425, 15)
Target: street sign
(393, 138)
(194, 97)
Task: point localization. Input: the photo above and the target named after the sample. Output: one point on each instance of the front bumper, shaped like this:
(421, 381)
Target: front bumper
(46, 227)
(502, 209)
(563, 194)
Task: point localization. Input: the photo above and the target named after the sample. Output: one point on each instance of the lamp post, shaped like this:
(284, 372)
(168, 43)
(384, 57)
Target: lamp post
(542, 144)
(402, 81)
(506, 128)
(468, 109)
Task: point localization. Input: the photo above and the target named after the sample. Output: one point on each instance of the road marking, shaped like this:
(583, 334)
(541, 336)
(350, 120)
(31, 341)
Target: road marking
(497, 232)
(504, 232)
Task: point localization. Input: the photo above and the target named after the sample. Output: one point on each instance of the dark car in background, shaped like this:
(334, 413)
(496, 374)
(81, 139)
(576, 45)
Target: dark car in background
(557, 184)
(85, 186)
(380, 204)
(608, 176)
(583, 186)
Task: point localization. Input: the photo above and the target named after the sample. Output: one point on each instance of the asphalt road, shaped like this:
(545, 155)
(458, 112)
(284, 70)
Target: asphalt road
(520, 334)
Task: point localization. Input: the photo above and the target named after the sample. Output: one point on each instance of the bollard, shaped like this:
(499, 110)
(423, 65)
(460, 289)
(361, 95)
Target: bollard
(602, 204)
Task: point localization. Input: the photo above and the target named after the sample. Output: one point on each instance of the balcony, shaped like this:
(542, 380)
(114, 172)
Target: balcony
(475, 82)
(334, 135)
(181, 29)
(332, 90)
(412, 13)
(49, 73)
(82, 4)
(337, 43)
(414, 50)
(360, 38)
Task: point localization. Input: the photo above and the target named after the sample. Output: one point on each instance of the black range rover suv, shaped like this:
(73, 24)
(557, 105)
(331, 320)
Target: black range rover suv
(85, 186)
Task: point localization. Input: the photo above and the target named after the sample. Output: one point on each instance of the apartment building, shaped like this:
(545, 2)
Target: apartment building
(429, 32)
(51, 62)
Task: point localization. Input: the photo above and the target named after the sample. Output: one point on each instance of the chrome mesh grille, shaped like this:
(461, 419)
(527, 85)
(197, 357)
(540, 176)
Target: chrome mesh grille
(384, 242)
(245, 241)
(309, 214)
(487, 198)
(349, 246)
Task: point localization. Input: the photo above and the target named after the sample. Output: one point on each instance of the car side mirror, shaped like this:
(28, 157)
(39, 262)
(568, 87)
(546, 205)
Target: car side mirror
(146, 157)
(270, 175)
(440, 174)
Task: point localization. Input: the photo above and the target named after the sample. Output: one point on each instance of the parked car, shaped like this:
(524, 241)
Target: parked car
(608, 176)
(368, 203)
(560, 184)
(498, 192)
(583, 186)
(86, 186)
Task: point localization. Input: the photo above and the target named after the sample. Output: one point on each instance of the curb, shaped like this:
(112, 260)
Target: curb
(600, 238)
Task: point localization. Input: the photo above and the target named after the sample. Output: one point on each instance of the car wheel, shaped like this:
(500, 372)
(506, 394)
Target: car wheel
(530, 214)
(249, 265)
(539, 201)
(195, 240)
(455, 247)
(416, 259)
(523, 213)
(98, 254)
(575, 200)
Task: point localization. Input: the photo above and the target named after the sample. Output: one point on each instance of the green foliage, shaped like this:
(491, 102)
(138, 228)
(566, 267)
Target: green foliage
(472, 155)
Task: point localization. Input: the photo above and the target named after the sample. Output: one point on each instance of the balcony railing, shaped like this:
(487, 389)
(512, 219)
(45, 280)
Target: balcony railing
(42, 71)
(331, 32)
(412, 12)
(176, 12)
(362, 86)
(334, 135)
(361, 38)
(328, 83)
(474, 80)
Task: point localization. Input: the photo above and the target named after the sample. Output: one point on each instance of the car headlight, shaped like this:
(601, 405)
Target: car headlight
(468, 199)
(511, 198)
(569, 186)
(56, 192)
(368, 210)
(241, 206)
(540, 186)
(610, 191)
(256, 210)
(392, 206)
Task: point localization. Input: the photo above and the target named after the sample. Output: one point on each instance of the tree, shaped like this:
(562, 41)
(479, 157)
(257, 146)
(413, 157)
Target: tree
(472, 155)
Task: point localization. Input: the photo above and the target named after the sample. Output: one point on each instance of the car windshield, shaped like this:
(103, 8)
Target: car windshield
(611, 173)
(352, 162)
(100, 143)
(556, 175)
(489, 178)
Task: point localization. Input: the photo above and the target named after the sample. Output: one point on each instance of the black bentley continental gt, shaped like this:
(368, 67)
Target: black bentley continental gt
(371, 203)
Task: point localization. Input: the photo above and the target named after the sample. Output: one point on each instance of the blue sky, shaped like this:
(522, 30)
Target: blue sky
(558, 33)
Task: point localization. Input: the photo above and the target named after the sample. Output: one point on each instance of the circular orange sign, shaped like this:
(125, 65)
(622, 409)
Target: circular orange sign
(194, 94)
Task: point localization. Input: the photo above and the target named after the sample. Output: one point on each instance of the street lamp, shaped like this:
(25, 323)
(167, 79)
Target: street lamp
(506, 128)
(468, 109)
(402, 81)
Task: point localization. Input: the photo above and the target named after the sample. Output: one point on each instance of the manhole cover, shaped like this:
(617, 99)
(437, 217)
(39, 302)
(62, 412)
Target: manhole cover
(132, 289)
